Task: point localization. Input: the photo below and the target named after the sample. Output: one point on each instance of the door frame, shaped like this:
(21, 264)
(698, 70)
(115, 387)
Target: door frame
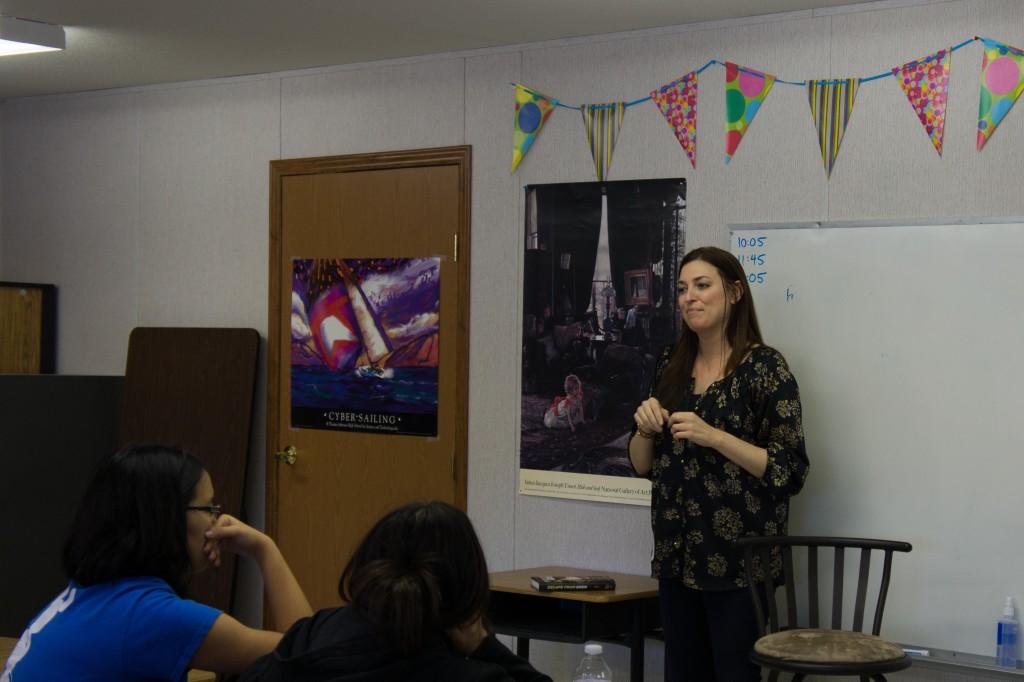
(461, 158)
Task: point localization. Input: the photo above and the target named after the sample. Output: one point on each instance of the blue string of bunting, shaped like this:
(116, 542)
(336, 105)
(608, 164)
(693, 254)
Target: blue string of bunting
(924, 81)
(716, 62)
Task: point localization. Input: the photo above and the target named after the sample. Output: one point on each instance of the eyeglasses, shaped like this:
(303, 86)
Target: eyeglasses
(212, 509)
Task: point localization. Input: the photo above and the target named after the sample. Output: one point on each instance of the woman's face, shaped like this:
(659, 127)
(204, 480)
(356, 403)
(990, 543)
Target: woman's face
(198, 521)
(702, 298)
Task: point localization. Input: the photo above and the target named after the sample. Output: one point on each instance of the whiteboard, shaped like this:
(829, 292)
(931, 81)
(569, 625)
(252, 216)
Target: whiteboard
(907, 342)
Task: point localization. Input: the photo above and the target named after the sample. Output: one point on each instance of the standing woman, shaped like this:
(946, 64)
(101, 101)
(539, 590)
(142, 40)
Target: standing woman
(146, 524)
(722, 441)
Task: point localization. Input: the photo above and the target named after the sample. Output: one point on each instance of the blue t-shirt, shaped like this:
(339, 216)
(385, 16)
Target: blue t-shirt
(131, 630)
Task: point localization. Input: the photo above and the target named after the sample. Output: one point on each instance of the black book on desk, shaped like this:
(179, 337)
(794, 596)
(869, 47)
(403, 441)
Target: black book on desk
(554, 583)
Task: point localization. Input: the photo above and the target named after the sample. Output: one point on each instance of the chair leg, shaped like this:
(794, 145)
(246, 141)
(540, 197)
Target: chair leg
(773, 676)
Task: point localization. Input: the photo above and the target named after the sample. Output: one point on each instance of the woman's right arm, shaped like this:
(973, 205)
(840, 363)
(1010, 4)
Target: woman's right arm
(230, 646)
(650, 419)
(285, 598)
(641, 453)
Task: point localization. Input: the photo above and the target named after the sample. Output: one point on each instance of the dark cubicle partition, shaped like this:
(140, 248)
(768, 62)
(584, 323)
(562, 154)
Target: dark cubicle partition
(183, 386)
(53, 431)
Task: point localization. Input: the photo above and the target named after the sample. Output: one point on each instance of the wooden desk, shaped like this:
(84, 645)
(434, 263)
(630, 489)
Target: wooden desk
(624, 615)
(7, 646)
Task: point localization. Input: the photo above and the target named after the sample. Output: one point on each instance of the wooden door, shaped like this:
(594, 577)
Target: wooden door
(412, 204)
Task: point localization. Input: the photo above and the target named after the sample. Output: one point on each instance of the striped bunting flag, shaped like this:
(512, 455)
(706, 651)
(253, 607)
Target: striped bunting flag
(602, 123)
(831, 106)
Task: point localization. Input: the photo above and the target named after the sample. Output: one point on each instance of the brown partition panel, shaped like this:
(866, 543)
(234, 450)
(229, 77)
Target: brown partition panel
(55, 430)
(194, 387)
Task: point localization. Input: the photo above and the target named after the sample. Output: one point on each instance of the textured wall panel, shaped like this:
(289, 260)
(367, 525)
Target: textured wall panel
(373, 109)
(70, 178)
(494, 336)
(204, 235)
(203, 230)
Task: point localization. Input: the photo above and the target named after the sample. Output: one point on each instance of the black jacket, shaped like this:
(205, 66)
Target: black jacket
(339, 645)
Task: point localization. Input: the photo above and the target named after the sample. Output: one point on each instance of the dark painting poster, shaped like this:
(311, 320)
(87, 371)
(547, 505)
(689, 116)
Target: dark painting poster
(600, 263)
(364, 340)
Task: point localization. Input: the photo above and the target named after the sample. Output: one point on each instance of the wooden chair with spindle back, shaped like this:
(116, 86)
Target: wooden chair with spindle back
(813, 648)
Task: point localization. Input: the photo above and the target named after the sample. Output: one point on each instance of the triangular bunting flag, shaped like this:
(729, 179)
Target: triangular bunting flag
(677, 102)
(925, 83)
(831, 106)
(1002, 81)
(532, 112)
(745, 90)
(602, 123)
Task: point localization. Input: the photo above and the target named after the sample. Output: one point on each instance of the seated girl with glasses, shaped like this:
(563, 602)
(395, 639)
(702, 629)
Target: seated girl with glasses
(146, 524)
(417, 590)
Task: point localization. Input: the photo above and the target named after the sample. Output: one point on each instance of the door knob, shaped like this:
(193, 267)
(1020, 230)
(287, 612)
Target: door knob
(288, 455)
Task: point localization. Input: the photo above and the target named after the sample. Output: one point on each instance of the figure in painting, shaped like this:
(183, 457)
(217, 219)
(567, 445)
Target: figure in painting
(566, 411)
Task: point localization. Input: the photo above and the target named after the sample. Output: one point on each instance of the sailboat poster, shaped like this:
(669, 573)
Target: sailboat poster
(364, 340)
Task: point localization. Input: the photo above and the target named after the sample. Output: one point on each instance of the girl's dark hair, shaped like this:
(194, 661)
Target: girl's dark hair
(419, 571)
(741, 328)
(131, 520)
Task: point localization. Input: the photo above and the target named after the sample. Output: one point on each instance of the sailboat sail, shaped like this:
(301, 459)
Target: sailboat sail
(376, 343)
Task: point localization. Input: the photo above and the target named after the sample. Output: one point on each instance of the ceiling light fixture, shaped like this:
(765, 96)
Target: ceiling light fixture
(21, 36)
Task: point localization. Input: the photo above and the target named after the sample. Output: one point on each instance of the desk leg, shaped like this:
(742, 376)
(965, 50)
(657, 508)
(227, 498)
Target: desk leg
(523, 647)
(636, 645)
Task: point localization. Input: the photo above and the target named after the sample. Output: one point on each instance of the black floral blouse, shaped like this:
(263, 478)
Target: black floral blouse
(701, 501)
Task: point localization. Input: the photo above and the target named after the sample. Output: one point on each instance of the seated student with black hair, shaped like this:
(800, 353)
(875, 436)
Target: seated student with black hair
(146, 524)
(417, 591)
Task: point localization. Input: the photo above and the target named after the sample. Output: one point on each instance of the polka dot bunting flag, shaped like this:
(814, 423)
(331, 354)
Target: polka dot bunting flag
(925, 82)
(745, 90)
(532, 112)
(677, 102)
(1002, 81)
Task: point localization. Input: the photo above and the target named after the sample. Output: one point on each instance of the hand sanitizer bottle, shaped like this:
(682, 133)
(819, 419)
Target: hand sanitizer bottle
(1006, 637)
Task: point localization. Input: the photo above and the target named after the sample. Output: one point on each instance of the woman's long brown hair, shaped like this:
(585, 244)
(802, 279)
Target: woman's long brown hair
(741, 328)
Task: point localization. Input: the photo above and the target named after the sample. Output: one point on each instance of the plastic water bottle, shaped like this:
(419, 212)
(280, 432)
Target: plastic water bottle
(592, 666)
(1006, 637)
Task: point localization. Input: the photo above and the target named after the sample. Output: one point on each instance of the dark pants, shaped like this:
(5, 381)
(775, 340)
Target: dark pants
(708, 635)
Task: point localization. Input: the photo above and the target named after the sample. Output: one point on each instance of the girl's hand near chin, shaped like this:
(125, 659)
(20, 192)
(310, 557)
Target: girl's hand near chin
(231, 535)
